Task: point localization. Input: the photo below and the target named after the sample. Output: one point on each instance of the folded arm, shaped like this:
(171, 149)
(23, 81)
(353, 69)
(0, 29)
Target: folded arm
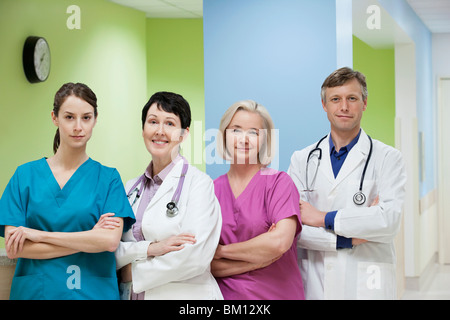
(222, 267)
(33, 250)
(378, 222)
(22, 242)
(256, 253)
(264, 247)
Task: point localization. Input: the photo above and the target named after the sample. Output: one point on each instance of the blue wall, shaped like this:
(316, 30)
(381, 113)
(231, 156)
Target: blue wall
(407, 19)
(277, 52)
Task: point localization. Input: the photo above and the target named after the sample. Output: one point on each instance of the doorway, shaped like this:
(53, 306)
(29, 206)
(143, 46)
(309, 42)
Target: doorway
(444, 169)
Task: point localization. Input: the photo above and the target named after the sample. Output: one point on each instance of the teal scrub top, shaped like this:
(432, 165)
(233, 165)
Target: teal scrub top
(34, 199)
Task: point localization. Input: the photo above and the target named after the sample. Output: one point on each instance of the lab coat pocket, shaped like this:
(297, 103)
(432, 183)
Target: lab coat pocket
(28, 288)
(375, 281)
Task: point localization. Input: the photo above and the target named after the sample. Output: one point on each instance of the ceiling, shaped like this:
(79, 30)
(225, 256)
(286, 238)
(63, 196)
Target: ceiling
(166, 8)
(434, 13)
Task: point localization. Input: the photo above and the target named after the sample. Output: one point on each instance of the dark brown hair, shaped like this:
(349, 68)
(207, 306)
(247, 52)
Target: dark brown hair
(79, 90)
(172, 103)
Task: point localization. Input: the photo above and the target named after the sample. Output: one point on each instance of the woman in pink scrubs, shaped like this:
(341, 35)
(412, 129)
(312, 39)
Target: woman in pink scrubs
(256, 257)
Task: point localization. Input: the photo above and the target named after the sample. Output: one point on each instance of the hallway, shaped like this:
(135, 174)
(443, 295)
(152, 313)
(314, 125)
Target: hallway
(438, 287)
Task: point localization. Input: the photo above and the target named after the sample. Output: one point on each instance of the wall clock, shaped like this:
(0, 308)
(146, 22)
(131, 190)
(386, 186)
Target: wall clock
(36, 59)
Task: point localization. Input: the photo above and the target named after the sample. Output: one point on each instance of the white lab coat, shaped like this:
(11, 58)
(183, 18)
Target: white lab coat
(366, 271)
(183, 274)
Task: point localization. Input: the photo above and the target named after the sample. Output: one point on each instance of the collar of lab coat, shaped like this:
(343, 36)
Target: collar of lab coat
(169, 184)
(354, 158)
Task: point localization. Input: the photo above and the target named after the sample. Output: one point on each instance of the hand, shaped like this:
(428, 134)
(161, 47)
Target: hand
(357, 242)
(266, 263)
(173, 243)
(375, 201)
(311, 216)
(15, 238)
(107, 221)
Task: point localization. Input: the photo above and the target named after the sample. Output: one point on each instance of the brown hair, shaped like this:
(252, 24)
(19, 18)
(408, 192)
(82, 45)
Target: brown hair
(342, 76)
(78, 90)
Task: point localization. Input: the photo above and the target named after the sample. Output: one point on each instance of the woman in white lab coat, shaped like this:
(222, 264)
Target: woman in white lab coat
(365, 269)
(167, 253)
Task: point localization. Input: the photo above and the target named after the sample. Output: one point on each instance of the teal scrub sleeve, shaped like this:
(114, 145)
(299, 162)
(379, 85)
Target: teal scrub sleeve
(12, 211)
(117, 201)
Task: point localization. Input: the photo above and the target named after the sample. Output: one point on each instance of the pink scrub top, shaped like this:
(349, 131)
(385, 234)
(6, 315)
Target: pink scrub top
(268, 198)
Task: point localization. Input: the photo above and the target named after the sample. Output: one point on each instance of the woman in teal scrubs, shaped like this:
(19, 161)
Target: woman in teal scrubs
(63, 217)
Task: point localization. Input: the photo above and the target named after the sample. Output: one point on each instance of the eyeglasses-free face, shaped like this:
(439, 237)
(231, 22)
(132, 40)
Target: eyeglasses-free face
(162, 134)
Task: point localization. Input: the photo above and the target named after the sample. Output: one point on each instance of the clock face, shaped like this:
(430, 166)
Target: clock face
(42, 59)
(36, 59)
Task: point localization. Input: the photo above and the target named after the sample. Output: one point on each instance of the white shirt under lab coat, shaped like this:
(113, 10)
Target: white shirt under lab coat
(183, 274)
(366, 271)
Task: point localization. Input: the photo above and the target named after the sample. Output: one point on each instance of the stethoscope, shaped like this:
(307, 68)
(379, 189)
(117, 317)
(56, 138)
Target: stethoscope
(172, 209)
(359, 198)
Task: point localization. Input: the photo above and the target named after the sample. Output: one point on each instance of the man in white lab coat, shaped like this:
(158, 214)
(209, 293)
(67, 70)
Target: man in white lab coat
(352, 190)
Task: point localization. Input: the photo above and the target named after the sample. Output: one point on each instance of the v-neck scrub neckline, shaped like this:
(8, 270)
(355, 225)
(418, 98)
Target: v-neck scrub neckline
(59, 193)
(247, 188)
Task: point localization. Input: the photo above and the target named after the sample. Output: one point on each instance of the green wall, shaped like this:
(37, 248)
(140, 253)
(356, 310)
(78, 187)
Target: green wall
(123, 56)
(378, 65)
(108, 53)
(175, 63)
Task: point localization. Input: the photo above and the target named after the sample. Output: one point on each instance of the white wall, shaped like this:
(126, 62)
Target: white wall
(441, 69)
(441, 48)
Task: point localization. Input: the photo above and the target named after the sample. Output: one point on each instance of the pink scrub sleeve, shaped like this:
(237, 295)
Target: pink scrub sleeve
(282, 198)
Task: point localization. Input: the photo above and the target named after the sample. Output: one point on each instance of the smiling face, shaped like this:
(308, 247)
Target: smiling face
(243, 137)
(162, 134)
(76, 121)
(344, 106)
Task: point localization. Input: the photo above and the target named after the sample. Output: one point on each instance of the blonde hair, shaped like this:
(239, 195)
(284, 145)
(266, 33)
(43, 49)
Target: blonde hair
(267, 148)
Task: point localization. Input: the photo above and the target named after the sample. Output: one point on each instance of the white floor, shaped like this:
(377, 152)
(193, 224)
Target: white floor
(437, 289)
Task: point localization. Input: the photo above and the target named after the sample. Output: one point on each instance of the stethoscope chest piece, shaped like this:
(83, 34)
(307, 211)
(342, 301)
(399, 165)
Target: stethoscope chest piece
(359, 198)
(172, 209)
